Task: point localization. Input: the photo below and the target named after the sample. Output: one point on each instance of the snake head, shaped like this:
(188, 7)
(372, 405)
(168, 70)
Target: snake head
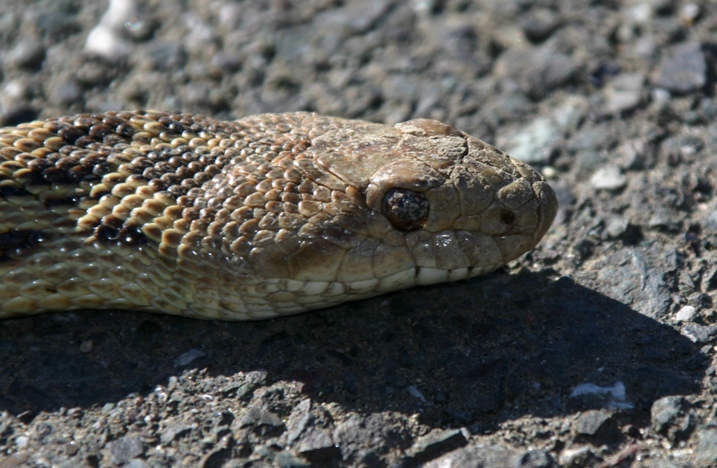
(435, 204)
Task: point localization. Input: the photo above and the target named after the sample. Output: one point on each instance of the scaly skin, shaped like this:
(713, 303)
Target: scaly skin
(265, 216)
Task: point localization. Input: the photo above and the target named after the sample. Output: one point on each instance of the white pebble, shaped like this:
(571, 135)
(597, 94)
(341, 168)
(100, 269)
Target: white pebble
(689, 13)
(106, 38)
(549, 172)
(685, 314)
(608, 178)
(21, 441)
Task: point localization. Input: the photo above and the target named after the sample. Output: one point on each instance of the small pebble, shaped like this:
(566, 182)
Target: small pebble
(640, 13)
(125, 449)
(414, 392)
(699, 333)
(532, 143)
(590, 422)
(625, 92)
(549, 172)
(575, 456)
(16, 89)
(689, 13)
(616, 227)
(28, 54)
(21, 441)
(106, 39)
(188, 357)
(86, 346)
(104, 42)
(66, 92)
(588, 161)
(608, 178)
(539, 24)
(685, 314)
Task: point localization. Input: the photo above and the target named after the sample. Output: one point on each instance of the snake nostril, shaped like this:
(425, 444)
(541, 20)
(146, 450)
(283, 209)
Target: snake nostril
(508, 217)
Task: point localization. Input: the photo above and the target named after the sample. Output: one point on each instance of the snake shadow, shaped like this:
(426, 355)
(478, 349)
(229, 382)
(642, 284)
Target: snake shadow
(466, 354)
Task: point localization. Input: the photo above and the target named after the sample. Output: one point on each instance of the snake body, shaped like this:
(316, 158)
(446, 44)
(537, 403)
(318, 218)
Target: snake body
(265, 216)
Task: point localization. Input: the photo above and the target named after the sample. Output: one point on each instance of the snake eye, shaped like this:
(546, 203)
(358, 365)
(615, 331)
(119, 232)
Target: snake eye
(406, 210)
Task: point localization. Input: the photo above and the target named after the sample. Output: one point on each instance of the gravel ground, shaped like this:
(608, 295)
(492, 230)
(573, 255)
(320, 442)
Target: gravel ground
(596, 349)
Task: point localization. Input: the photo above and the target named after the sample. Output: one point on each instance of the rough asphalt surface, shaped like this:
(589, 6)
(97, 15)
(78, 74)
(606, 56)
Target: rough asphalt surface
(596, 349)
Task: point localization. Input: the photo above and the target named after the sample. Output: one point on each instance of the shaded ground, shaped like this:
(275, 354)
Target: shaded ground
(614, 101)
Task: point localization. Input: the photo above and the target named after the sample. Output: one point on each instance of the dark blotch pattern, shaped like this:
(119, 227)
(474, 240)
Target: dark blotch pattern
(15, 242)
(12, 191)
(108, 149)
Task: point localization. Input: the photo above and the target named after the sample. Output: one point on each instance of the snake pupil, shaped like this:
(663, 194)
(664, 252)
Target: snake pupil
(406, 210)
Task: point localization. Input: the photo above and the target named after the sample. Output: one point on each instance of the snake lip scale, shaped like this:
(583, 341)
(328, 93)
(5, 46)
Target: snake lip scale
(255, 218)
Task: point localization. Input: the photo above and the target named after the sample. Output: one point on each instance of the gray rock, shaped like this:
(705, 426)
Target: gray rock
(189, 357)
(588, 161)
(260, 420)
(385, 433)
(298, 420)
(436, 444)
(477, 455)
(685, 314)
(699, 333)
(317, 446)
(67, 92)
(706, 446)
(634, 154)
(608, 178)
(535, 459)
(663, 219)
(124, 449)
(174, 431)
(590, 422)
(166, 55)
(710, 221)
(616, 227)
(684, 70)
(538, 70)
(636, 281)
(591, 138)
(539, 24)
(577, 456)
(286, 459)
(689, 13)
(683, 148)
(670, 417)
(137, 463)
(533, 143)
(625, 92)
(707, 109)
(27, 54)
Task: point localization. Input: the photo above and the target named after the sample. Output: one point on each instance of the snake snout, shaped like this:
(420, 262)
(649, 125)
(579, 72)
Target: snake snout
(506, 206)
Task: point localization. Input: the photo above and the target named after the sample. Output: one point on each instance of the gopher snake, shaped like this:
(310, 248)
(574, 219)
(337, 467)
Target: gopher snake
(265, 216)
